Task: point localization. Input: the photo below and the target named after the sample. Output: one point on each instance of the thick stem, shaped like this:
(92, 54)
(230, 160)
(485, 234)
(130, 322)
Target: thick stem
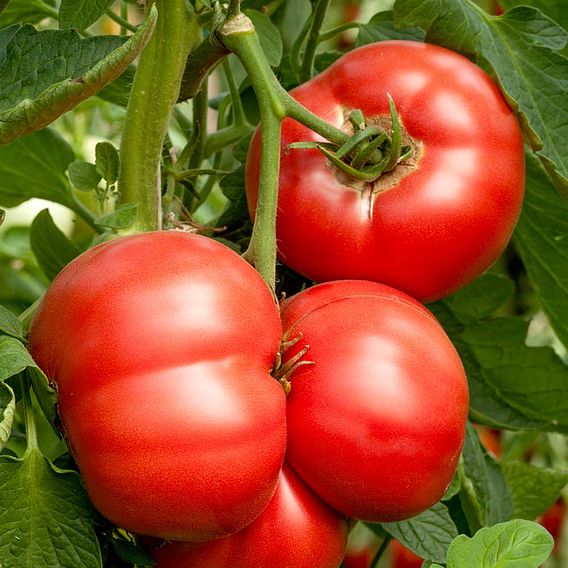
(320, 11)
(154, 94)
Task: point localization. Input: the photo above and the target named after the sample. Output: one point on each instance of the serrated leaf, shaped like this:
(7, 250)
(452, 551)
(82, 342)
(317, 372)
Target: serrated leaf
(121, 218)
(107, 161)
(83, 175)
(487, 479)
(541, 238)
(10, 324)
(35, 166)
(534, 489)
(52, 249)
(381, 27)
(80, 14)
(514, 544)
(521, 48)
(428, 535)
(269, 36)
(45, 515)
(554, 9)
(503, 373)
(7, 410)
(46, 73)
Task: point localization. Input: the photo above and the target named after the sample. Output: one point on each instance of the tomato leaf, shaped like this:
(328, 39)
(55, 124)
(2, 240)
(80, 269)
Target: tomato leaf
(541, 239)
(46, 519)
(107, 161)
(131, 553)
(381, 27)
(7, 409)
(521, 48)
(552, 8)
(511, 385)
(66, 70)
(506, 545)
(121, 218)
(52, 249)
(35, 166)
(118, 91)
(84, 175)
(80, 14)
(487, 481)
(534, 489)
(10, 324)
(428, 535)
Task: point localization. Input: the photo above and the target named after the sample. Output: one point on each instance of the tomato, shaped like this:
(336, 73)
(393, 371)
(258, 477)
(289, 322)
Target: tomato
(553, 521)
(169, 408)
(401, 557)
(491, 439)
(377, 422)
(434, 223)
(296, 530)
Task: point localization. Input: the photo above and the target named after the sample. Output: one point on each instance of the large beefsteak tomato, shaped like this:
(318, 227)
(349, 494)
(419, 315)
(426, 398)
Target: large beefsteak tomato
(377, 422)
(436, 221)
(175, 422)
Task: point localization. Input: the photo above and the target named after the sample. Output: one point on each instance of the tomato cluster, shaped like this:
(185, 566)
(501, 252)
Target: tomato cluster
(162, 345)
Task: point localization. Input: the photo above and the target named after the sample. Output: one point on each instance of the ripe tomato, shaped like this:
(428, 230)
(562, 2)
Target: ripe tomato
(296, 530)
(553, 521)
(401, 557)
(377, 423)
(429, 227)
(176, 425)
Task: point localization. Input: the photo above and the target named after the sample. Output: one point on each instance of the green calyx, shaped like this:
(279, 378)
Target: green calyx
(371, 151)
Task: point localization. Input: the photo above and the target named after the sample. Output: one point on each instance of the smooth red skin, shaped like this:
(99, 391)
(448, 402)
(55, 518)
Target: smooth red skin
(296, 530)
(442, 225)
(160, 347)
(401, 557)
(377, 423)
(553, 521)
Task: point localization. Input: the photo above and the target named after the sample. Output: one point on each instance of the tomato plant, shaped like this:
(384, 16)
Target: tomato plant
(386, 385)
(172, 394)
(294, 524)
(435, 221)
(198, 161)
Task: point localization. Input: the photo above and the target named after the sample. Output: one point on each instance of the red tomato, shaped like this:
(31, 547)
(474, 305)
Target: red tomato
(296, 530)
(377, 423)
(401, 557)
(170, 411)
(428, 228)
(490, 438)
(553, 521)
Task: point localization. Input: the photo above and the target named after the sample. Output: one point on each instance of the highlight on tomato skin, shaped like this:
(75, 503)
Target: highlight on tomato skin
(296, 530)
(176, 425)
(384, 407)
(434, 223)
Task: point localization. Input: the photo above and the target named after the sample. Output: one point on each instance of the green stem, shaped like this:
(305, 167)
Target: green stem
(29, 418)
(154, 94)
(320, 11)
(47, 10)
(85, 213)
(330, 34)
(124, 23)
(381, 551)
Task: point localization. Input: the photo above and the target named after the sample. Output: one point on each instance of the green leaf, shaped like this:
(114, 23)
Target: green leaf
(107, 161)
(381, 27)
(121, 218)
(269, 36)
(31, 11)
(52, 249)
(14, 358)
(10, 324)
(541, 238)
(46, 73)
(503, 373)
(488, 482)
(514, 544)
(131, 553)
(118, 92)
(428, 535)
(45, 515)
(83, 175)
(7, 409)
(80, 14)
(554, 9)
(534, 489)
(35, 166)
(521, 48)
